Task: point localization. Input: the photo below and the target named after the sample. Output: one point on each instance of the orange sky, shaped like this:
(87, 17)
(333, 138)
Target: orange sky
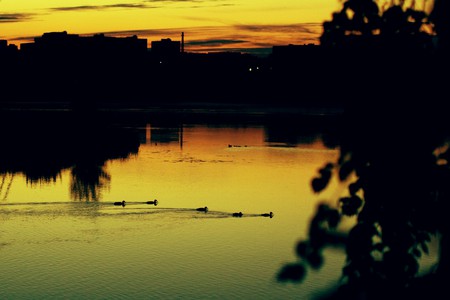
(208, 24)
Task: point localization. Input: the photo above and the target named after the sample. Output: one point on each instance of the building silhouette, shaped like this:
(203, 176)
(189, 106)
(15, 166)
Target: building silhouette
(62, 43)
(7, 50)
(165, 49)
(90, 70)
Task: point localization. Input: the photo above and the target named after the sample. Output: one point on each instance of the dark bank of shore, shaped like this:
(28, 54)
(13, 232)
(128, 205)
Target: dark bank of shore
(40, 139)
(174, 112)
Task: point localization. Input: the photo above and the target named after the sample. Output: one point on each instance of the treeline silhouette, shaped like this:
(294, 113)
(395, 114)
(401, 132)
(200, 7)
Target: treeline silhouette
(394, 157)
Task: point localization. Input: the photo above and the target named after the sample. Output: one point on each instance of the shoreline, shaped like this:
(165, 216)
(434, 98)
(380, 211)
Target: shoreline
(174, 107)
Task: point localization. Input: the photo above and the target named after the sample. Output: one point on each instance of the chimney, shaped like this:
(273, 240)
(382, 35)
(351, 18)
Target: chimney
(182, 42)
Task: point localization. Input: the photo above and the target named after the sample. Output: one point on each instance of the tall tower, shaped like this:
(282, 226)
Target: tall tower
(182, 42)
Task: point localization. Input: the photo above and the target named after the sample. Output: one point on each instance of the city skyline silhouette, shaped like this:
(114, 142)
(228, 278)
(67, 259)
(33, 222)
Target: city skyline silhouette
(85, 70)
(210, 25)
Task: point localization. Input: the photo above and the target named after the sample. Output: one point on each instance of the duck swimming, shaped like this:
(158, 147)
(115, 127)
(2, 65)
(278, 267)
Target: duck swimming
(121, 203)
(270, 215)
(239, 214)
(154, 202)
(205, 209)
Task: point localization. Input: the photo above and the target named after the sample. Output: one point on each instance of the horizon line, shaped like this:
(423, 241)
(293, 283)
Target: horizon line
(213, 38)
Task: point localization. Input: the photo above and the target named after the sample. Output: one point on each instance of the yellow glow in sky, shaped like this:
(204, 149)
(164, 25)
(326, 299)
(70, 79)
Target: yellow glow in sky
(208, 24)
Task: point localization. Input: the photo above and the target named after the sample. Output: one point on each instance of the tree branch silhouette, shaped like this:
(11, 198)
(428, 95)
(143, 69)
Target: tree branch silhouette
(393, 153)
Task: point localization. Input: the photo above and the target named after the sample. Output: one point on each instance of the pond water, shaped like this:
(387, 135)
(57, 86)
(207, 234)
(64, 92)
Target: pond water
(61, 236)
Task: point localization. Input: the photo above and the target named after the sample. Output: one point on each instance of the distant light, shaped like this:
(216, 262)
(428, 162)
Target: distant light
(249, 69)
(160, 62)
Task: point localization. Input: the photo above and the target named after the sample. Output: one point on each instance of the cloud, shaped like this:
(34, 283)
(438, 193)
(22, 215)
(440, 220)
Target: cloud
(287, 28)
(182, 1)
(250, 38)
(215, 42)
(101, 7)
(258, 35)
(142, 32)
(17, 17)
(138, 5)
(27, 39)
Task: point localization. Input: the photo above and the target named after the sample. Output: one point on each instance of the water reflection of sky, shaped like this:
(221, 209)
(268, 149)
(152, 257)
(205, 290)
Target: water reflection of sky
(171, 250)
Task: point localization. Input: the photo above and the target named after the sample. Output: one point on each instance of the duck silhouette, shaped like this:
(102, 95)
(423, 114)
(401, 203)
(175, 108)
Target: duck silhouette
(205, 209)
(270, 215)
(154, 202)
(121, 203)
(239, 214)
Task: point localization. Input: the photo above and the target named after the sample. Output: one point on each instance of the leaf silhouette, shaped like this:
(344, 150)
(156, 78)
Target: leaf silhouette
(292, 272)
(345, 170)
(350, 205)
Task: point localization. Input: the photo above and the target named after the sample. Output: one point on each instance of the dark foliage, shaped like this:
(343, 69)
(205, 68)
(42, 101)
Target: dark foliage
(394, 153)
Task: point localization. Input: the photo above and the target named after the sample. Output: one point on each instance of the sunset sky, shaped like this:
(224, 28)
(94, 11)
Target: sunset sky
(208, 24)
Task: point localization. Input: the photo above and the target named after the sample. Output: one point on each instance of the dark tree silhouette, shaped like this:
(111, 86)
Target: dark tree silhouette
(393, 153)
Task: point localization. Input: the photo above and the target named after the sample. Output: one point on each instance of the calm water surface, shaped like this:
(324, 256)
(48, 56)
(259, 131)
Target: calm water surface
(61, 236)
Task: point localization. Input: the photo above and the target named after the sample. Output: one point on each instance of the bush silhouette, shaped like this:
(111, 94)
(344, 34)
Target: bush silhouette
(393, 153)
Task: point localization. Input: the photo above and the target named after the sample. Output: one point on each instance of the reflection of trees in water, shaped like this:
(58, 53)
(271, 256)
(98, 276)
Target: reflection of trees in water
(88, 181)
(5, 185)
(41, 145)
(394, 157)
(307, 129)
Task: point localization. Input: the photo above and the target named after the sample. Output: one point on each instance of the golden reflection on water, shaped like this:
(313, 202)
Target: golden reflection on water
(227, 169)
(224, 168)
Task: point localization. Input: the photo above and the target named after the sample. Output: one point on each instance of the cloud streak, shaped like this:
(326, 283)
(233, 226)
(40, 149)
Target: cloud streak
(147, 4)
(287, 28)
(14, 17)
(232, 37)
(101, 7)
(240, 33)
(215, 42)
